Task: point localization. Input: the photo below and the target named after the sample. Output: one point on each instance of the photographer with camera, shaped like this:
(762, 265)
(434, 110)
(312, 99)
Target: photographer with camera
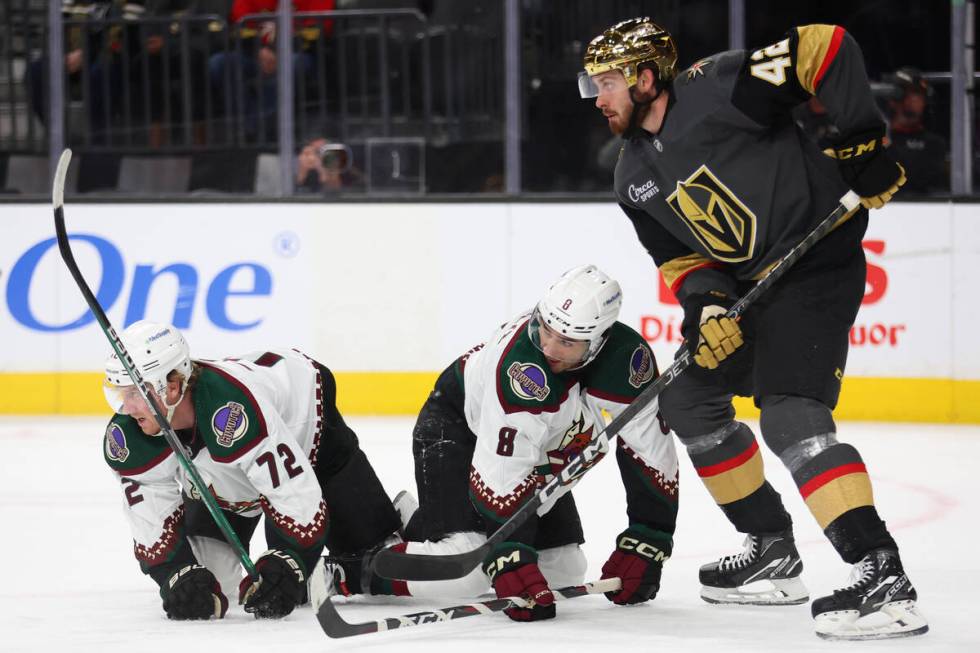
(923, 153)
(325, 167)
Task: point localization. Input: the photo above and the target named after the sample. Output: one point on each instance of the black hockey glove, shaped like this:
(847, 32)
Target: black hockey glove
(711, 337)
(193, 593)
(513, 571)
(637, 562)
(281, 586)
(869, 168)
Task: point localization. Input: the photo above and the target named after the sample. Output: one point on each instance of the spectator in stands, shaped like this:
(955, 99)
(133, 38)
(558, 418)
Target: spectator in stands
(923, 153)
(158, 84)
(92, 71)
(325, 167)
(255, 63)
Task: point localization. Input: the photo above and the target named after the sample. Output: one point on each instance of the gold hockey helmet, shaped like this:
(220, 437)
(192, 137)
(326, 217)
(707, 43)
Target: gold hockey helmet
(625, 46)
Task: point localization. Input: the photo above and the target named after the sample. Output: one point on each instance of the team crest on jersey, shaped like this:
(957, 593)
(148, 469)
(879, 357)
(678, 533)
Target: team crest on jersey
(641, 366)
(528, 381)
(697, 70)
(229, 423)
(576, 438)
(716, 217)
(115, 443)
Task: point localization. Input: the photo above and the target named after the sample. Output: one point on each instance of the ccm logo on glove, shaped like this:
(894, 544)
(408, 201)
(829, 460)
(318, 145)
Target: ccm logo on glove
(627, 543)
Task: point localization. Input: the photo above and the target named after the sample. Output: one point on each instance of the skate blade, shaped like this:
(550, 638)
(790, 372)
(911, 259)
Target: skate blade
(774, 591)
(893, 620)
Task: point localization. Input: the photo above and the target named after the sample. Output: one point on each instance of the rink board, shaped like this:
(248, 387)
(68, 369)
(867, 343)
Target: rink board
(387, 295)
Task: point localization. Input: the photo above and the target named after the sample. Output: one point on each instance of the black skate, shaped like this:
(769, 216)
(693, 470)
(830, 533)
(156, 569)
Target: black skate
(879, 603)
(767, 572)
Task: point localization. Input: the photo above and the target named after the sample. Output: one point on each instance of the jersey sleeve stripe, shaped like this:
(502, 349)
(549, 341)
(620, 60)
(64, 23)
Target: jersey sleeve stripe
(610, 396)
(136, 471)
(818, 46)
(676, 270)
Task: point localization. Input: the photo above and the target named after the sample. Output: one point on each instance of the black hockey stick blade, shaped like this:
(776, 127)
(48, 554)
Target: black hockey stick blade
(183, 457)
(415, 566)
(335, 627)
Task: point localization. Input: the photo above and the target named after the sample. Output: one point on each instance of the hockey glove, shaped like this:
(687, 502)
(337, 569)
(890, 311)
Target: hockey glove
(280, 588)
(869, 168)
(711, 337)
(637, 562)
(513, 571)
(193, 593)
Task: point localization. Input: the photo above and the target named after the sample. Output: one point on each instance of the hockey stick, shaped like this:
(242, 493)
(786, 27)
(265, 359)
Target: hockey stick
(58, 201)
(334, 625)
(416, 566)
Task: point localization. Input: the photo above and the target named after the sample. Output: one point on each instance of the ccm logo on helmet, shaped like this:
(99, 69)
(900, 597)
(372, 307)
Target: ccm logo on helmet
(642, 548)
(227, 284)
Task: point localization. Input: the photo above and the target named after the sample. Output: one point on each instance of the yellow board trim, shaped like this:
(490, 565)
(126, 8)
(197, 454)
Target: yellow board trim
(402, 393)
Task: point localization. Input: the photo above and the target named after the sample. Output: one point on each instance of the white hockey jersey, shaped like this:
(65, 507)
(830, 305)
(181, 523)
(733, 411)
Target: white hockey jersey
(255, 444)
(530, 421)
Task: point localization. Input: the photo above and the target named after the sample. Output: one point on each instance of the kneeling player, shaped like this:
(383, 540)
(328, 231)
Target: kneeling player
(506, 416)
(265, 435)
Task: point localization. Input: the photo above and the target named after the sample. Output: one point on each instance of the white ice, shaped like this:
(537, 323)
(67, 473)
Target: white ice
(69, 582)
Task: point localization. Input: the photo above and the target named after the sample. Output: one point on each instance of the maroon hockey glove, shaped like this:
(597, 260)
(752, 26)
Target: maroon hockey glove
(868, 167)
(281, 586)
(637, 562)
(193, 593)
(513, 570)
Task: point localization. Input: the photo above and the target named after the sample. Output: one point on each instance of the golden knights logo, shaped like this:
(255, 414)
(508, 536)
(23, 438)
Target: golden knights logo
(720, 222)
(575, 439)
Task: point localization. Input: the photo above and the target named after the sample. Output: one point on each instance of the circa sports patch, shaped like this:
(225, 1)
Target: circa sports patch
(115, 443)
(641, 366)
(229, 423)
(528, 381)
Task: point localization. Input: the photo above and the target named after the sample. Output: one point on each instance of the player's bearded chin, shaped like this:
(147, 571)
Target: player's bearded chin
(638, 110)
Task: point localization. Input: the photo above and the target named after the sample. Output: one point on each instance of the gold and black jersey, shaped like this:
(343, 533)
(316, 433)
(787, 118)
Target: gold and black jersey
(730, 182)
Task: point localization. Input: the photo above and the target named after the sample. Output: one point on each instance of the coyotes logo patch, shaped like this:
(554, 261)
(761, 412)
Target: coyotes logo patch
(115, 443)
(229, 423)
(721, 223)
(641, 367)
(528, 381)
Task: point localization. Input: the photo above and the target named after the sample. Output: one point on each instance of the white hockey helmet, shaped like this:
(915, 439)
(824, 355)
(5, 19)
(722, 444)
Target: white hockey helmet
(582, 305)
(157, 349)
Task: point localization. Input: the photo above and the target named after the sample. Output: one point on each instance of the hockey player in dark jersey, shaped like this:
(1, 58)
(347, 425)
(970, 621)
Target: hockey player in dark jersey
(509, 414)
(265, 436)
(720, 184)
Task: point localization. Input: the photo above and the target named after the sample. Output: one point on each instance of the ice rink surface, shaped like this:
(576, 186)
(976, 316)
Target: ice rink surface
(69, 582)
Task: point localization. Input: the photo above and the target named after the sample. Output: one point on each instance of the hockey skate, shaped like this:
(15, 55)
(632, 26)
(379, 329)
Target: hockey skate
(879, 603)
(767, 572)
(405, 505)
(325, 581)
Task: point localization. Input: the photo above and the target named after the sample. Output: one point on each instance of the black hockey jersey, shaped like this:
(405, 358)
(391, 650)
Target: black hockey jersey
(730, 182)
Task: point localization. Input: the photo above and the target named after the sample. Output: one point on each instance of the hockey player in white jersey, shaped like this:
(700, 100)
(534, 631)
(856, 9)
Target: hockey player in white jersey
(506, 416)
(265, 435)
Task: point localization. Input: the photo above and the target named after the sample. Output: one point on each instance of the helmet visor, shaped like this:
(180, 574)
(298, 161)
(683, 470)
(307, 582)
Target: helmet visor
(553, 344)
(610, 81)
(586, 87)
(123, 399)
